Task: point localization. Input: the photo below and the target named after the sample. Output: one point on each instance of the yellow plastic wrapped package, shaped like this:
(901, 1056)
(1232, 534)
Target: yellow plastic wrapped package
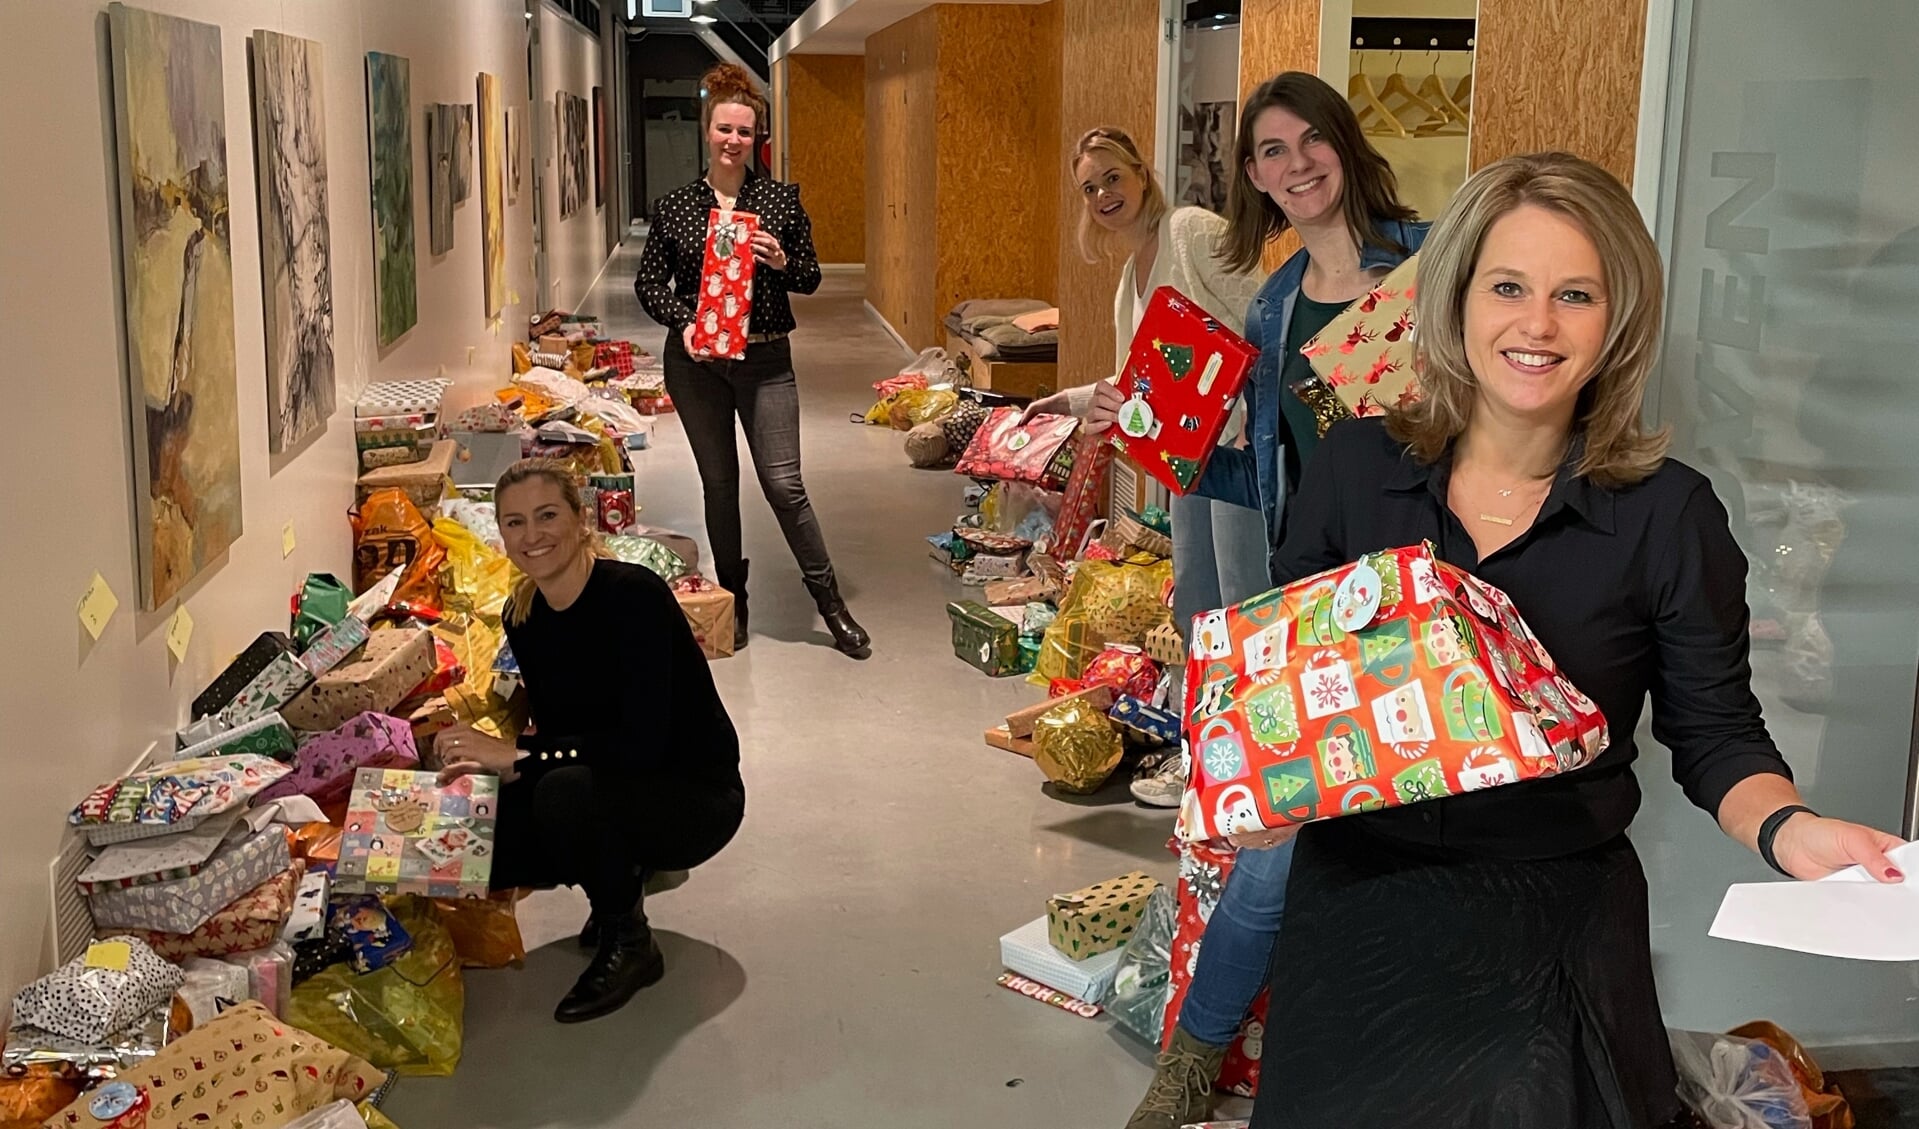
(408, 1016)
(475, 579)
(374, 1118)
(909, 407)
(1075, 746)
(1121, 600)
(1064, 650)
(486, 931)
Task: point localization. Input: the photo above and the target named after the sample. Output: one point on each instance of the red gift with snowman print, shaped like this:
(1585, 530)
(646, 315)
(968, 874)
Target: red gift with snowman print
(1389, 681)
(726, 285)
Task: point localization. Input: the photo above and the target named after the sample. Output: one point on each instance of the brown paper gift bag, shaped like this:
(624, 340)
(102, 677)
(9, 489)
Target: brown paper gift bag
(709, 612)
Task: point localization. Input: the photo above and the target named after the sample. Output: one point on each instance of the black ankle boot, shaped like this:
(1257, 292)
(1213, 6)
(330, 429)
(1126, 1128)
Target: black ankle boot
(733, 579)
(848, 635)
(627, 960)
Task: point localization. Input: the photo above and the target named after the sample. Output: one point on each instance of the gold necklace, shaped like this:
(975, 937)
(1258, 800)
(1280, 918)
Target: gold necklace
(1507, 493)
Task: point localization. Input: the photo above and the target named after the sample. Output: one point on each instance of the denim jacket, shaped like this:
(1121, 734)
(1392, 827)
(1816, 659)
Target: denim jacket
(1250, 476)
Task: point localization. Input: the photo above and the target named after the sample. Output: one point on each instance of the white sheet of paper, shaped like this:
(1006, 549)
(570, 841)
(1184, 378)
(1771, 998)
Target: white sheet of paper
(1846, 914)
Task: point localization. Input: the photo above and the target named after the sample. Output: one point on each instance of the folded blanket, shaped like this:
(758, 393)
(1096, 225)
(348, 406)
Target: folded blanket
(1038, 321)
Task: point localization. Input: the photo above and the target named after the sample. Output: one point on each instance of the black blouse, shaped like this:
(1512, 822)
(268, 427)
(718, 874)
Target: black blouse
(1632, 591)
(670, 265)
(616, 681)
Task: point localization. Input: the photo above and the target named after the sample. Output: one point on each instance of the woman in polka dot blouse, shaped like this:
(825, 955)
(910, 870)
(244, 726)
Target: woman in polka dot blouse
(709, 391)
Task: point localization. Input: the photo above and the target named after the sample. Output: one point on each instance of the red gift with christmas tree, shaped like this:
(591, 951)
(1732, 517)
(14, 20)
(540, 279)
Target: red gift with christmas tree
(1182, 378)
(726, 285)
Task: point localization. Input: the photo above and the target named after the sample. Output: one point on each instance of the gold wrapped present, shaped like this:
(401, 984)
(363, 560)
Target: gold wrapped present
(1075, 746)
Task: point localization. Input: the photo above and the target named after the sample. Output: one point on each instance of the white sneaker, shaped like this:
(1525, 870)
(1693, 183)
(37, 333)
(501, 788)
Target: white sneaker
(1163, 787)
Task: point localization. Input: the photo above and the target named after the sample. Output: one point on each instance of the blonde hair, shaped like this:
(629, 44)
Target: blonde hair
(1616, 449)
(1117, 144)
(731, 84)
(520, 604)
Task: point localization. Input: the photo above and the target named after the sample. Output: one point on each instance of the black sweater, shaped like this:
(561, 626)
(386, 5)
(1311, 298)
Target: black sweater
(616, 681)
(668, 281)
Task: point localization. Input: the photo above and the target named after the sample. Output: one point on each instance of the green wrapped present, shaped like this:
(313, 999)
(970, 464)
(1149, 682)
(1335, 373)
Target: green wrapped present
(648, 553)
(984, 638)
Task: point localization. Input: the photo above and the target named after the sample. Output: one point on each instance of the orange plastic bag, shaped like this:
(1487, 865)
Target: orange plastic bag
(389, 533)
(36, 1093)
(317, 842)
(486, 932)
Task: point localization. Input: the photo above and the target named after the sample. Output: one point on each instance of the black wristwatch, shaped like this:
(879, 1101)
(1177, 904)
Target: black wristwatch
(1769, 830)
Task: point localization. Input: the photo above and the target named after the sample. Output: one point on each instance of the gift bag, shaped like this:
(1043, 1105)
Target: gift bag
(408, 1016)
(1365, 354)
(1392, 680)
(1039, 451)
(1121, 600)
(390, 535)
(726, 285)
(1085, 499)
(320, 604)
(1203, 868)
(1182, 378)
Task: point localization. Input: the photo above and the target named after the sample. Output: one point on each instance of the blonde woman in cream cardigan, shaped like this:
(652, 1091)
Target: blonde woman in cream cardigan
(1219, 549)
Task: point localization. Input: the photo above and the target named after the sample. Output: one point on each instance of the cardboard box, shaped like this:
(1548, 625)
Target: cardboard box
(1020, 722)
(1024, 590)
(998, 738)
(1099, 918)
(384, 673)
(424, 481)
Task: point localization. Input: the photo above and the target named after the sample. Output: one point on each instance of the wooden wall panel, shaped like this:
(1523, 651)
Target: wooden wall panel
(1109, 52)
(1558, 74)
(994, 89)
(778, 92)
(901, 62)
(825, 149)
(1276, 36)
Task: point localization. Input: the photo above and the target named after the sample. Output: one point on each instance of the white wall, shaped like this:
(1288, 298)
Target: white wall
(576, 247)
(77, 711)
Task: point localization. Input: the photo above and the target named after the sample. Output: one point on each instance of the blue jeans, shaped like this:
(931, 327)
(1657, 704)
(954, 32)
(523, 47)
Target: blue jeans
(1236, 951)
(1219, 556)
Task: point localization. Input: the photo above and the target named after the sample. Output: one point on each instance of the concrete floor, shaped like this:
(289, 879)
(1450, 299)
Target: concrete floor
(834, 966)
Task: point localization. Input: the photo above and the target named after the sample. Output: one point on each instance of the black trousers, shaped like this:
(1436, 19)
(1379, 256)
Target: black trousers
(564, 827)
(762, 392)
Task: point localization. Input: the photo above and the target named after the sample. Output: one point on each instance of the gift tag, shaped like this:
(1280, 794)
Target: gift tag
(1357, 599)
(1136, 418)
(1018, 441)
(110, 955)
(115, 1099)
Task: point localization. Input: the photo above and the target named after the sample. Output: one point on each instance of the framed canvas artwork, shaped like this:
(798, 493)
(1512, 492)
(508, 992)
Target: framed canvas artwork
(442, 133)
(570, 118)
(599, 146)
(170, 112)
(492, 196)
(462, 152)
(390, 143)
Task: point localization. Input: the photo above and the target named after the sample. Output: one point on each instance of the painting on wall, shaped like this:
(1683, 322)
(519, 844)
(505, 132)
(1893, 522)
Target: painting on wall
(442, 133)
(569, 111)
(296, 247)
(515, 126)
(170, 113)
(492, 195)
(389, 123)
(599, 147)
(462, 152)
(1205, 152)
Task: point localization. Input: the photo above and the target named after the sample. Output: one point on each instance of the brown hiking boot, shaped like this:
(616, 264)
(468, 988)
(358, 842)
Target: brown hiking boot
(1182, 1089)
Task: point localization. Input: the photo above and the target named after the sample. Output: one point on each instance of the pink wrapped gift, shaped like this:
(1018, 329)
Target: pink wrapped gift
(323, 768)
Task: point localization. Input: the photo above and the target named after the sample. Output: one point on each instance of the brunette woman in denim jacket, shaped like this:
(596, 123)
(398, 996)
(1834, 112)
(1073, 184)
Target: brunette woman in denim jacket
(1302, 164)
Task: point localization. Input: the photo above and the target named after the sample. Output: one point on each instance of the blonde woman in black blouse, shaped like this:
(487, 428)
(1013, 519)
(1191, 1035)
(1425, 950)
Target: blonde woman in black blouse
(760, 390)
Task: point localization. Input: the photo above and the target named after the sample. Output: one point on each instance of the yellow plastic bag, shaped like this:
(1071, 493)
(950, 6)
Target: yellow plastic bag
(1064, 650)
(1121, 600)
(475, 579)
(374, 1118)
(408, 1016)
(909, 407)
(486, 932)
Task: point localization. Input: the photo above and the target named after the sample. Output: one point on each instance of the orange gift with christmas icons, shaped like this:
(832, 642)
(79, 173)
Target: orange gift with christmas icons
(1392, 680)
(726, 285)
(1182, 378)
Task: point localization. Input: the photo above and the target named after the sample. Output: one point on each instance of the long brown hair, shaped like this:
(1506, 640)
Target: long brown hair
(561, 475)
(1617, 449)
(1371, 191)
(731, 84)
(1119, 145)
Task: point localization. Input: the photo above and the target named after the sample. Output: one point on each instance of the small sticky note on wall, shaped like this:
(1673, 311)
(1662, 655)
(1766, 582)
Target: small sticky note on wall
(286, 541)
(179, 634)
(97, 605)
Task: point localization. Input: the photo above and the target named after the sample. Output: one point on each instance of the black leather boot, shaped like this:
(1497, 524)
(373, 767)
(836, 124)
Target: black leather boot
(627, 960)
(848, 635)
(733, 579)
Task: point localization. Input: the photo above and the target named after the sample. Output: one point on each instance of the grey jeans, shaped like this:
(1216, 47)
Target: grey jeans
(762, 392)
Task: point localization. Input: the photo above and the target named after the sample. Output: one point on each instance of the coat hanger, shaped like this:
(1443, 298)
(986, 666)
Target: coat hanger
(1463, 93)
(1367, 103)
(1433, 90)
(1410, 102)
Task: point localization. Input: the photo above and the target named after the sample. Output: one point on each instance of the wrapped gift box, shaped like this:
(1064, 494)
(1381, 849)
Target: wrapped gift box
(709, 612)
(161, 859)
(394, 661)
(264, 736)
(326, 764)
(1182, 378)
(1099, 918)
(401, 397)
(1020, 722)
(984, 638)
(184, 904)
(726, 285)
(1392, 680)
(172, 797)
(309, 915)
(240, 672)
(334, 645)
(1365, 354)
(1029, 952)
(1145, 723)
(405, 833)
(1085, 499)
(998, 738)
(424, 481)
(1166, 645)
(105, 990)
(1038, 451)
(284, 679)
(251, 921)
